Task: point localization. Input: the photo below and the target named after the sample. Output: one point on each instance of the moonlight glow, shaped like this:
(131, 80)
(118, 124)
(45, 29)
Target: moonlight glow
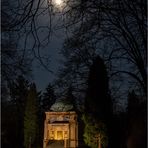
(58, 2)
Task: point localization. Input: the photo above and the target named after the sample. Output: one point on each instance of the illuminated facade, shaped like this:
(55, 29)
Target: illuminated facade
(61, 126)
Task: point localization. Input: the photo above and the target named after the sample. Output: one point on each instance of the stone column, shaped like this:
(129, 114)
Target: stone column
(76, 134)
(65, 143)
(45, 133)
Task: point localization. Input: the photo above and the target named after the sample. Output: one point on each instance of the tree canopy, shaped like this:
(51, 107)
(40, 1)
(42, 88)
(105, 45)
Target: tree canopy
(115, 30)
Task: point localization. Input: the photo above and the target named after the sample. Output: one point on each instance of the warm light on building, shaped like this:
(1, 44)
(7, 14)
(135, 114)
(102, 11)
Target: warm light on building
(61, 126)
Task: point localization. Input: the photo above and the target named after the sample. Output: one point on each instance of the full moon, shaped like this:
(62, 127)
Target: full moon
(58, 2)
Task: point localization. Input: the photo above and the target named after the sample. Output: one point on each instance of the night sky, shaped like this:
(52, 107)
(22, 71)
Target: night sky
(41, 76)
(74, 57)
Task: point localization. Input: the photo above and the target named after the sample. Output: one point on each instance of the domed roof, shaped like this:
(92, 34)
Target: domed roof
(62, 105)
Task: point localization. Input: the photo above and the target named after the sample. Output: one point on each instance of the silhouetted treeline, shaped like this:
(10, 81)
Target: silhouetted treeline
(123, 129)
(23, 114)
(117, 129)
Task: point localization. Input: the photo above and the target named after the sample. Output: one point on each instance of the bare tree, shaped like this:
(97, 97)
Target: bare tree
(117, 31)
(32, 24)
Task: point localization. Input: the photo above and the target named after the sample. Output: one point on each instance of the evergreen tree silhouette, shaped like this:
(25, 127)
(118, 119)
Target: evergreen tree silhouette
(98, 101)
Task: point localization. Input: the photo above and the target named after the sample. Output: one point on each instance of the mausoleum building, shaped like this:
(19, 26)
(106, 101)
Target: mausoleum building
(60, 127)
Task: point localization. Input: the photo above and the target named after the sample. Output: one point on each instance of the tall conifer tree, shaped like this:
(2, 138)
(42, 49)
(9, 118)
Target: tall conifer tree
(48, 98)
(13, 109)
(98, 106)
(31, 118)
